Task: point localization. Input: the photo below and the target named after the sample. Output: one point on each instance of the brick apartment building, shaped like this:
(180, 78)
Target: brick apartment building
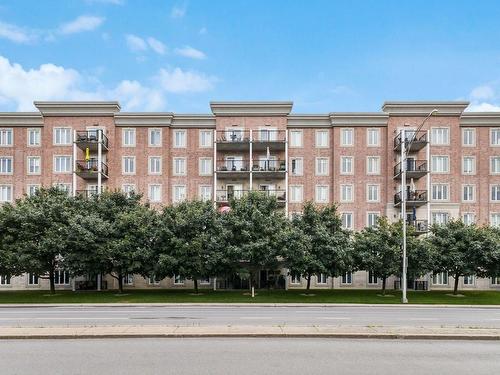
(352, 159)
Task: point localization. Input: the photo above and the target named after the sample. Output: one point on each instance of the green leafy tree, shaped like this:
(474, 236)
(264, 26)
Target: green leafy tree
(317, 243)
(489, 257)
(458, 248)
(8, 265)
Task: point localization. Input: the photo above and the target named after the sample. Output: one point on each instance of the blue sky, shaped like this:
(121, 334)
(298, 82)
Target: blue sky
(179, 55)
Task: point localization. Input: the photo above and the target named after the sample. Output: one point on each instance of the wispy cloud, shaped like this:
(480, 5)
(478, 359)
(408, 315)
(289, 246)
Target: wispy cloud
(203, 31)
(137, 44)
(190, 52)
(157, 46)
(81, 24)
(485, 98)
(178, 11)
(179, 81)
(112, 2)
(15, 33)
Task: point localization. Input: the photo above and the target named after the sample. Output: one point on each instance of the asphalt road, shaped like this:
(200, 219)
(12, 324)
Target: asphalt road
(250, 315)
(248, 356)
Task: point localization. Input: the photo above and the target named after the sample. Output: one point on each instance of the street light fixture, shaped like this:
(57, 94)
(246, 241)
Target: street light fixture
(405, 149)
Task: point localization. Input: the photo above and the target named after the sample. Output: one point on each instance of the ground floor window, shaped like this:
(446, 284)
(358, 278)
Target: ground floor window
(469, 280)
(347, 278)
(178, 279)
(440, 278)
(128, 279)
(321, 278)
(372, 278)
(61, 277)
(4, 279)
(495, 280)
(153, 280)
(205, 280)
(295, 279)
(33, 279)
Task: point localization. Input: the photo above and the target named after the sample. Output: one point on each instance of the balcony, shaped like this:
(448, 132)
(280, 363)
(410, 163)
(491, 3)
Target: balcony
(279, 194)
(269, 169)
(414, 169)
(420, 226)
(232, 140)
(264, 138)
(233, 168)
(419, 140)
(87, 193)
(225, 196)
(90, 139)
(89, 169)
(414, 198)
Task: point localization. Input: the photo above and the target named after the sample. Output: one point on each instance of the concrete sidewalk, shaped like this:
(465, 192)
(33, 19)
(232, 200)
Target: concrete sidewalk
(427, 333)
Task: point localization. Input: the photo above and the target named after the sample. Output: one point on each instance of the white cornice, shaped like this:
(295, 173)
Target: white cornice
(193, 121)
(21, 119)
(359, 119)
(87, 108)
(480, 119)
(445, 108)
(308, 121)
(251, 108)
(143, 119)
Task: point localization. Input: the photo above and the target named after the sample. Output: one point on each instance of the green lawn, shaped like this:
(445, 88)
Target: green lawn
(264, 296)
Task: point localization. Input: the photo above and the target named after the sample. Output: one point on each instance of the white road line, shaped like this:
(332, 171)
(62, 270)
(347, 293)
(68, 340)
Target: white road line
(256, 317)
(417, 319)
(62, 319)
(334, 318)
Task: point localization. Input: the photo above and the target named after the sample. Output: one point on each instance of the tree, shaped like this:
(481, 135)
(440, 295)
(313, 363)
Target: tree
(8, 266)
(489, 257)
(458, 248)
(191, 242)
(256, 232)
(317, 243)
(378, 249)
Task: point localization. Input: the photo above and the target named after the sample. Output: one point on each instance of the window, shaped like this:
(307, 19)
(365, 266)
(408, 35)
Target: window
(372, 278)
(373, 164)
(295, 138)
(440, 218)
(61, 277)
(128, 279)
(372, 193)
(346, 193)
(5, 193)
(494, 220)
(178, 279)
(495, 280)
(346, 165)
(468, 218)
(321, 166)
(268, 134)
(495, 193)
(440, 136)
(297, 166)
(34, 165)
(179, 193)
(296, 193)
(32, 189)
(468, 165)
(62, 136)
(179, 166)
(34, 137)
(295, 279)
(179, 138)
(205, 192)
(373, 137)
(6, 165)
(440, 278)
(346, 137)
(206, 138)
(33, 279)
(154, 165)
(439, 192)
(128, 165)
(321, 278)
(128, 137)
(204, 280)
(153, 280)
(155, 137)
(154, 194)
(205, 165)
(128, 189)
(347, 278)
(6, 137)
(440, 164)
(469, 280)
(468, 193)
(322, 194)
(321, 138)
(347, 220)
(4, 279)
(495, 137)
(495, 165)
(468, 137)
(63, 186)
(62, 164)
(372, 219)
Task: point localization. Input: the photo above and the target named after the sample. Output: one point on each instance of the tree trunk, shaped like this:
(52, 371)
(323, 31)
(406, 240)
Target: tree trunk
(455, 287)
(52, 281)
(196, 285)
(308, 282)
(120, 283)
(384, 279)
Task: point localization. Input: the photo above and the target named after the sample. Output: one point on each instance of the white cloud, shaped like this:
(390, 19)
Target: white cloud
(484, 98)
(81, 23)
(178, 11)
(203, 31)
(15, 34)
(482, 92)
(134, 96)
(179, 81)
(136, 43)
(483, 107)
(157, 46)
(190, 52)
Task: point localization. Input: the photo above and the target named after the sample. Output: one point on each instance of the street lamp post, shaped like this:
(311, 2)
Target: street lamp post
(405, 150)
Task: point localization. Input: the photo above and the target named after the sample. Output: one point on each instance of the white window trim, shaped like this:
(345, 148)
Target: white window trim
(11, 158)
(28, 186)
(368, 137)
(440, 144)
(185, 166)
(126, 184)
(123, 165)
(173, 193)
(377, 173)
(210, 170)
(301, 199)
(28, 165)
(342, 144)
(174, 137)
(491, 165)
(327, 138)
(473, 214)
(39, 130)
(474, 137)
(150, 130)
(149, 165)
(367, 193)
(327, 173)
(491, 218)
(368, 213)
(473, 165)
(352, 193)
(200, 188)
(62, 144)
(11, 192)
(64, 156)
(352, 165)
(178, 283)
(352, 218)
(448, 191)
(298, 158)
(124, 130)
(13, 141)
(491, 137)
(149, 193)
(301, 138)
(346, 283)
(440, 156)
(490, 198)
(211, 143)
(327, 193)
(473, 193)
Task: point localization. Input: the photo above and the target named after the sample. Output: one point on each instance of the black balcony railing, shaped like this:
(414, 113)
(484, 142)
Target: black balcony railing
(419, 140)
(87, 193)
(228, 194)
(420, 226)
(269, 166)
(91, 137)
(89, 168)
(279, 194)
(413, 197)
(233, 165)
(418, 166)
(233, 136)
